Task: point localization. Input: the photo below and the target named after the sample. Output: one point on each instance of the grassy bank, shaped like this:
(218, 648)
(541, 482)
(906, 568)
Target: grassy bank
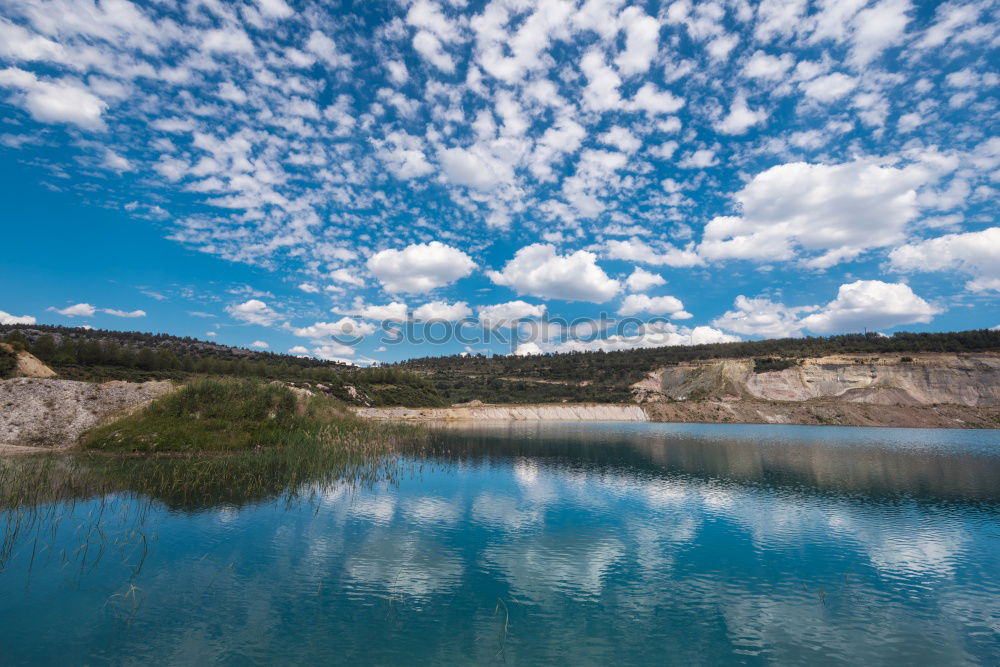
(227, 415)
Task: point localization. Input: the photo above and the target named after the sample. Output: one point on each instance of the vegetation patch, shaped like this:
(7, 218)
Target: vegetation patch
(229, 415)
(772, 364)
(8, 361)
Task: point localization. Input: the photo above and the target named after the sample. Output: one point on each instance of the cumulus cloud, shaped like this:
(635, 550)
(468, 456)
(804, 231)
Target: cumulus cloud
(390, 312)
(830, 87)
(654, 305)
(124, 313)
(260, 345)
(637, 250)
(475, 167)
(740, 117)
(762, 317)
(76, 310)
(420, 267)
(59, 101)
(7, 318)
(442, 311)
(344, 327)
(641, 280)
(870, 304)
(537, 270)
(253, 311)
(508, 314)
(659, 335)
(826, 213)
(975, 254)
(642, 34)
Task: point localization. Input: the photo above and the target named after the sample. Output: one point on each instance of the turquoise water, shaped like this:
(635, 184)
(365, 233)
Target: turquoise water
(546, 544)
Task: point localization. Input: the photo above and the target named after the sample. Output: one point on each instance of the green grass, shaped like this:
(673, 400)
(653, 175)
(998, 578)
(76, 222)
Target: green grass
(228, 415)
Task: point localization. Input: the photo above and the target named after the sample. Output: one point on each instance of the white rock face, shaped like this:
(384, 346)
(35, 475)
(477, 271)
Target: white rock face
(553, 412)
(55, 413)
(971, 380)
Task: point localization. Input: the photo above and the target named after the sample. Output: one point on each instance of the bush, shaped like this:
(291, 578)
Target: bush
(8, 361)
(770, 365)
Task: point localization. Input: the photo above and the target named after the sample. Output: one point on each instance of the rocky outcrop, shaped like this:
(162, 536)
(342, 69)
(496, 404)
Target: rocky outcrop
(487, 412)
(920, 390)
(971, 380)
(53, 414)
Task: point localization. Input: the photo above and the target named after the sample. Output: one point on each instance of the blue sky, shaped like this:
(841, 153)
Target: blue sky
(291, 175)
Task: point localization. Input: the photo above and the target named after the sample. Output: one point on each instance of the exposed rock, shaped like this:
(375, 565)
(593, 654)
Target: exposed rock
(28, 365)
(927, 390)
(968, 379)
(53, 414)
(487, 412)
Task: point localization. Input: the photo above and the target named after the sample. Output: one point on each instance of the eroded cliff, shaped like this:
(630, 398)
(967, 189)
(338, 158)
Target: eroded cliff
(931, 390)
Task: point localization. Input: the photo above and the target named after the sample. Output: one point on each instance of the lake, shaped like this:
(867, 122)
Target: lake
(540, 543)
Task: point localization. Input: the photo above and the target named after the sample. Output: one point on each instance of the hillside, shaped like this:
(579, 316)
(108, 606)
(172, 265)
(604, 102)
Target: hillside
(609, 376)
(96, 355)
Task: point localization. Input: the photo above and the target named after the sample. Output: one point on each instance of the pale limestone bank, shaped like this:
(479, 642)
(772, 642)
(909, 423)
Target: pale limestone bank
(918, 390)
(484, 412)
(52, 414)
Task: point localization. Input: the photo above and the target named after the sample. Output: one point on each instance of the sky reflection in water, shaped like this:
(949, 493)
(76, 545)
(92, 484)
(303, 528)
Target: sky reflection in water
(557, 543)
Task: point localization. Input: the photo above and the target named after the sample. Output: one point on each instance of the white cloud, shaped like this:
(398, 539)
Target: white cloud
(475, 167)
(870, 304)
(764, 66)
(334, 352)
(537, 270)
(124, 313)
(390, 312)
(61, 101)
(345, 276)
(877, 28)
(829, 88)
(442, 311)
(838, 211)
(226, 40)
(298, 350)
(654, 305)
(637, 250)
(508, 314)
(762, 317)
(275, 8)
(740, 117)
(601, 92)
(976, 254)
(259, 344)
(661, 335)
(654, 101)
(622, 139)
(77, 310)
(309, 288)
(429, 46)
(7, 318)
(253, 311)
(420, 267)
(324, 48)
(642, 34)
(699, 159)
(641, 280)
(345, 326)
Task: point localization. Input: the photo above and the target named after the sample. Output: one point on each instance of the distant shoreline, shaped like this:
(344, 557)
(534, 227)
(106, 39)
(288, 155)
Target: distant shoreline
(803, 413)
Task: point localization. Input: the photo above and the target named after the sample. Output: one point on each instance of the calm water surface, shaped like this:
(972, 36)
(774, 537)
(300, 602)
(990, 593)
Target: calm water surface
(546, 544)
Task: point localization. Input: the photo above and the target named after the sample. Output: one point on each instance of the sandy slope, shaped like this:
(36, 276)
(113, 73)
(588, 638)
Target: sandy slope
(53, 414)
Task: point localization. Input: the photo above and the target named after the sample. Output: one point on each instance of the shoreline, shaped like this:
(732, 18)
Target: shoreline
(804, 413)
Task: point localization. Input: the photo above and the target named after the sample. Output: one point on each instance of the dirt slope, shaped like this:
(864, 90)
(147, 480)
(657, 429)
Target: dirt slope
(53, 414)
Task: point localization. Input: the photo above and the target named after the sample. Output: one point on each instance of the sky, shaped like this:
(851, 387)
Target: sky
(373, 181)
